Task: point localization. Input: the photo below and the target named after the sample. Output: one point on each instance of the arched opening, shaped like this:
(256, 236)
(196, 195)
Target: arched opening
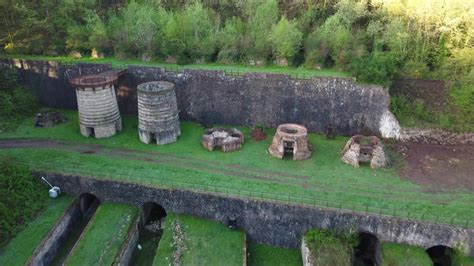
(441, 255)
(150, 230)
(367, 252)
(88, 203)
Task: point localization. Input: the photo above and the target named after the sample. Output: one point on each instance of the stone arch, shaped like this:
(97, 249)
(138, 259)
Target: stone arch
(88, 202)
(151, 212)
(368, 250)
(441, 255)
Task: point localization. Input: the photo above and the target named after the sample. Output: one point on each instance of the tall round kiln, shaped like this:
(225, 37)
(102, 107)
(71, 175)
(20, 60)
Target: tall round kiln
(158, 118)
(99, 114)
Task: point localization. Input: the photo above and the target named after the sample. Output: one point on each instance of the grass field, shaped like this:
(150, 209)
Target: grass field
(323, 177)
(264, 255)
(404, 255)
(103, 236)
(208, 66)
(202, 242)
(20, 248)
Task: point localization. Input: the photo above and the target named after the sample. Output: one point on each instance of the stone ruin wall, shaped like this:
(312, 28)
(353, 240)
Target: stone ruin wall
(215, 98)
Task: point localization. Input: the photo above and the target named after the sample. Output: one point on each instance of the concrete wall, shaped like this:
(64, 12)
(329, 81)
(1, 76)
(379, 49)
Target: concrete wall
(213, 97)
(271, 223)
(125, 254)
(47, 250)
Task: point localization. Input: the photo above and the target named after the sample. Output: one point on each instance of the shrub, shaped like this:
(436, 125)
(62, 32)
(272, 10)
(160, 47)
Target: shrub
(22, 198)
(286, 38)
(330, 248)
(378, 68)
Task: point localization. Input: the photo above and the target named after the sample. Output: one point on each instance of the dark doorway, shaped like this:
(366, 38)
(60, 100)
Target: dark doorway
(288, 149)
(367, 252)
(90, 131)
(88, 203)
(441, 255)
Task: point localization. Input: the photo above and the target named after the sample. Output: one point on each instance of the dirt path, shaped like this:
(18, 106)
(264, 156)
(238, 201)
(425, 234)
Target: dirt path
(438, 167)
(156, 157)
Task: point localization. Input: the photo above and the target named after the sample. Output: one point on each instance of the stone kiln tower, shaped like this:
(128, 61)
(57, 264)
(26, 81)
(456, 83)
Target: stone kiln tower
(97, 104)
(157, 112)
(291, 139)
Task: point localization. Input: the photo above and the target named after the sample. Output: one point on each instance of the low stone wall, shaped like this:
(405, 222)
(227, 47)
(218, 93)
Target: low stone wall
(214, 98)
(126, 251)
(267, 222)
(47, 250)
(436, 136)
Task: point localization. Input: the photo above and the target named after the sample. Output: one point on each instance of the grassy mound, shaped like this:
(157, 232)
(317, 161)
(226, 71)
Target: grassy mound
(189, 240)
(330, 249)
(103, 236)
(399, 254)
(264, 255)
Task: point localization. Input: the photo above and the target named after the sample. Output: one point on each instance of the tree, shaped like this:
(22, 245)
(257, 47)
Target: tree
(285, 38)
(260, 24)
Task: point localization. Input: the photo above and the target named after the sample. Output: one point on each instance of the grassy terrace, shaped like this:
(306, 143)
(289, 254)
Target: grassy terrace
(20, 248)
(263, 255)
(404, 255)
(199, 242)
(323, 179)
(234, 69)
(103, 236)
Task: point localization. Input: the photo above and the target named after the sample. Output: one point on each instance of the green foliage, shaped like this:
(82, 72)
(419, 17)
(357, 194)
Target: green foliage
(404, 255)
(233, 41)
(330, 248)
(23, 197)
(409, 113)
(260, 23)
(189, 34)
(286, 38)
(378, 68)
(15, 102)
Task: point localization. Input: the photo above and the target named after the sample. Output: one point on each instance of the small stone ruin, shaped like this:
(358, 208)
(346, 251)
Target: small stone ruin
(49, 119)
(158, 118)
(364, 149)
(227, 139)
(290, 139)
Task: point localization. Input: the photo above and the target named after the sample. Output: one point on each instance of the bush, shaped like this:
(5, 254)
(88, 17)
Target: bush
(331, 249)
(22, 198)
(16, 103)
(378, 68)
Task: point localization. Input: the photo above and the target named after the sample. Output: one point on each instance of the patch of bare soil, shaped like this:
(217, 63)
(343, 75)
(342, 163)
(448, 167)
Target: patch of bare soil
(438, 167)
(258, 134)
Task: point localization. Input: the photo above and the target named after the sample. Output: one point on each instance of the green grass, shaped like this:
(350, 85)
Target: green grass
(322, 177)
(264, 255)
(103, 236)
(208, 66)
(404, 255)
(20, 248)
(205, 243)
(329, 248)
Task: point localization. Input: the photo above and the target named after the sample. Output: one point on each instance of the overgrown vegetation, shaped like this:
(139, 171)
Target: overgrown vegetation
(21, 247)
(375, 39)
(330, 248)
(16, 103)
(23, 197)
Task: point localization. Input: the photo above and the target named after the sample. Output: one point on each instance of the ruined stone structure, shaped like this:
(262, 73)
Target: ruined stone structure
(364, 149)
(97, 104)
(226, 139)
(49, 119)
(290, 139)
(158, 118)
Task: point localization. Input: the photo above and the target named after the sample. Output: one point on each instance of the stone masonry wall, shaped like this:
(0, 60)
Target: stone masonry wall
(270, 223)
(212, 97)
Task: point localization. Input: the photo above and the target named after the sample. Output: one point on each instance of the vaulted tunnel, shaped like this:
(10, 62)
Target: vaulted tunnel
(441, 255)
(367, 252)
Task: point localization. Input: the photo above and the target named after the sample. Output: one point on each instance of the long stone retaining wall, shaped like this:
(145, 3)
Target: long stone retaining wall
(216, 98)
(268, 222)
(47, 250)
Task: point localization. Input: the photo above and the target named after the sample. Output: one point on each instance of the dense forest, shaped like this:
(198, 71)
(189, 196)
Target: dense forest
(375, 40)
